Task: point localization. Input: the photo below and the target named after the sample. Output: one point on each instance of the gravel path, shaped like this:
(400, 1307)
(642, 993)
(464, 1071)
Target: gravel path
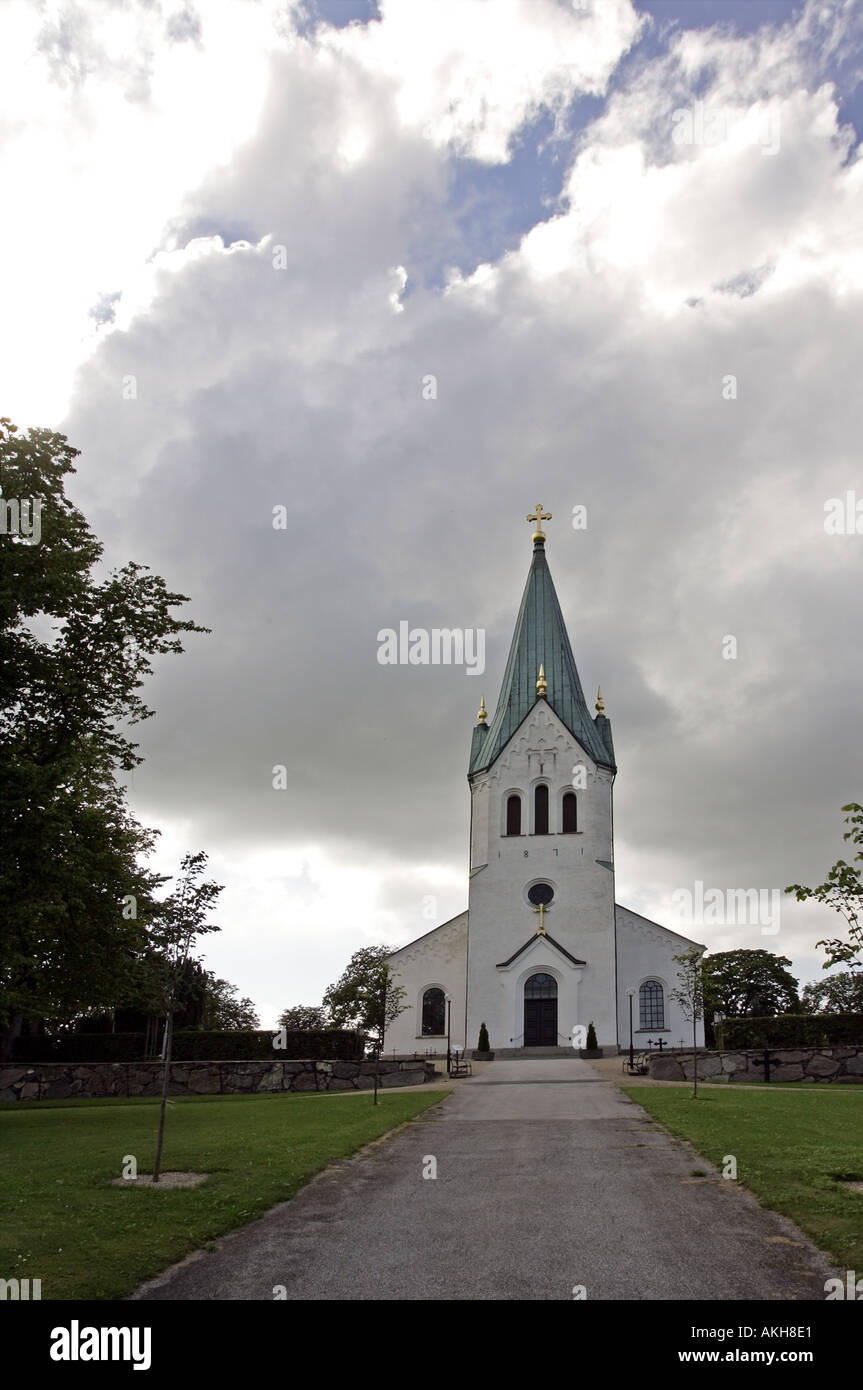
(549, 1181)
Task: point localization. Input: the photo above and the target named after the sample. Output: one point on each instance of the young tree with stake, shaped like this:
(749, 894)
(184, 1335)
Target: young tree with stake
(391, 996)
(182, 918)
(690, 996)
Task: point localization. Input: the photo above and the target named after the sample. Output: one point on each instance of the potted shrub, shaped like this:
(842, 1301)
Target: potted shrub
(483, 1052)
(592, 1048)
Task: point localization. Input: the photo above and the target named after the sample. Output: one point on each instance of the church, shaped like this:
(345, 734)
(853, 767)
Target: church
(543, 949)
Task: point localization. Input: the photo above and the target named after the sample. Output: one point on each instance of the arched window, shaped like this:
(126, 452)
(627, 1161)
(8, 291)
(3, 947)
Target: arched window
(513, 815)
(434, 1013)
(570, 817)
(540, 811)
(651, 1004)
(540, 987)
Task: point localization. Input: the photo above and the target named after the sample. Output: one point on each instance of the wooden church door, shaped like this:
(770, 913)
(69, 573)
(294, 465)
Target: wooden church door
(540, 1011)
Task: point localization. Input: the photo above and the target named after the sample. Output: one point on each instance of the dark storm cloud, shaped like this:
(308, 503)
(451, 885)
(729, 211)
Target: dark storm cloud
(569, 372)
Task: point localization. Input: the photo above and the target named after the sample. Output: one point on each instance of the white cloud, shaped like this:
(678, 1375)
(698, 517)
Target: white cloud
(106, 123)
(469, 74)
(676, 230)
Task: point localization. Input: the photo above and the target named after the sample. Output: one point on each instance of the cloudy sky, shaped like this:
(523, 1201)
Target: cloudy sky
(625, 239)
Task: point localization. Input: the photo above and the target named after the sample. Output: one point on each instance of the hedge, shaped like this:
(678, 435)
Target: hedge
(791, 1030)
(325, 1044)
(80, 1047)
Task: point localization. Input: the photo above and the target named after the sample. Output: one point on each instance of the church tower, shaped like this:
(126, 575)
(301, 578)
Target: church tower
(541, 958)
(542, 950)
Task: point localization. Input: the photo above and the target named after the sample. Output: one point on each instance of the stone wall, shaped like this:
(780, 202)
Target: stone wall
(842, 1064)
(60, 1080)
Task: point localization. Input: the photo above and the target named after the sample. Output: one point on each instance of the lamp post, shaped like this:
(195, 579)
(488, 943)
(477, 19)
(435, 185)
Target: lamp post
(448, 998)
(631, 993)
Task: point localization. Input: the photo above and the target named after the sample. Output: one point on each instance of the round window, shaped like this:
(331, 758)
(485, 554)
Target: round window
(540, 893)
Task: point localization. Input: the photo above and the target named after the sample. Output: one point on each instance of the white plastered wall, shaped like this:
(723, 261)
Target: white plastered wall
(438, 959)
(646, 951)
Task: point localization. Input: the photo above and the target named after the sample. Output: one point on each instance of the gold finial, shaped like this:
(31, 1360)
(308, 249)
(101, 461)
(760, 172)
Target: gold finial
(540, 931)
(539, 516)
(600, 703)
(542, 683)
(482, 713)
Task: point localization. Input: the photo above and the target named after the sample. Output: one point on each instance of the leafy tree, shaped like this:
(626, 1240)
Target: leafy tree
(304, 1018)
(182, 918)
(223, 1010)
(74, 651)
(689, 994)
(484, 1044)
(743, 982)
(367, 998)
(838, 994)
(207, 1003)
(357, 999)
(202, 1002)
(843, 891)
(190, 995)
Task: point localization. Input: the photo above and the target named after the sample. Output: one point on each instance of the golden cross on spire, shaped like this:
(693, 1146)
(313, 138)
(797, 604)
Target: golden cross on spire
(540, 931)
(539, 516)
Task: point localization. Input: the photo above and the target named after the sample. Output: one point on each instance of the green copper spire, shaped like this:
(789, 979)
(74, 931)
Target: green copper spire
(540, 640)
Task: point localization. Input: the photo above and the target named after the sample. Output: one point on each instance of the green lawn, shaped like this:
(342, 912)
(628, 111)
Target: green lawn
(66, 1224)
(790, 1149)
(774, 1085)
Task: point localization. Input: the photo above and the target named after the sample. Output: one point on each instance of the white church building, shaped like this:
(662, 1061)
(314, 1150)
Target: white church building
(543, 949)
